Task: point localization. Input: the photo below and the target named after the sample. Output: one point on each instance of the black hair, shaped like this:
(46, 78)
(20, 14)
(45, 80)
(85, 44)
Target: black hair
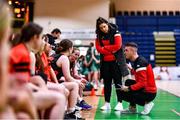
(131, 44)
(112, 27)
(15, 39)
(56, 30)
(91, 44)
(64, 45)
(99, 21)
(29, 30)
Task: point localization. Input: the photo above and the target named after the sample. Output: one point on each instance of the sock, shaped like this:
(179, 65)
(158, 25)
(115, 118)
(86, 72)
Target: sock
(107, 103)
(119, 102)
(80, 99)
(70, 110)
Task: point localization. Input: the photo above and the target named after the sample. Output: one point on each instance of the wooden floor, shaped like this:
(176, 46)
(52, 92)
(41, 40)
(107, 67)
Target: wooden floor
(90, 114)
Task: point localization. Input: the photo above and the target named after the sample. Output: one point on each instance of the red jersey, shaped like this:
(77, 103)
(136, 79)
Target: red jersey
(20, 63)
(144, 76)
(107, 49)
(46, 64)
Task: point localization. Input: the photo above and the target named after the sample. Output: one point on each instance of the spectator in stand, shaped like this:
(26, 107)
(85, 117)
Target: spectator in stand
(163, 74)
(87, 64)
(95, 67)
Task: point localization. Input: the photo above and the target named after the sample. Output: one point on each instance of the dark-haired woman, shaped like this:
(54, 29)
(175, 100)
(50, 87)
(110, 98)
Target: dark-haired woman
(20, 68)
(109, 44)
(61, 65)
(74, 72)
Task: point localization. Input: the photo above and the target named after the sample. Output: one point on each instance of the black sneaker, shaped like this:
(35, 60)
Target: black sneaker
(73, 116)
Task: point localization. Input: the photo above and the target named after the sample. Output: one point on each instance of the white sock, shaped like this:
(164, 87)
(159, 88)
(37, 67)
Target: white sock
(70, 110)
(107, 103)
(80, 99)
(119, 102)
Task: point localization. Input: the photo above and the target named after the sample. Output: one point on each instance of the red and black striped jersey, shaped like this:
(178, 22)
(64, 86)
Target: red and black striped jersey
(144, 76)
(20, 63)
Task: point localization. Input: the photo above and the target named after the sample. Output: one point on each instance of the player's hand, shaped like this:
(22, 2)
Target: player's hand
(125, 88)
(129, 66)
(80, 84)
(83, 80)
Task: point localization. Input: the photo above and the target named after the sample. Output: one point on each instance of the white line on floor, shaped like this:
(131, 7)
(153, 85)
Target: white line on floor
(177, 113)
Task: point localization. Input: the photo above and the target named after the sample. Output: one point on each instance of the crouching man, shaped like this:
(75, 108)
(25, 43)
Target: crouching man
(142, 90)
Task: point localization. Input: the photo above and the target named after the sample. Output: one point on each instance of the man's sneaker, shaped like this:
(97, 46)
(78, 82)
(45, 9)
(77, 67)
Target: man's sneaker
(106, 106)
(73, 116)
(130, 110)
(84, 105)
(119, 107)
(147, 108)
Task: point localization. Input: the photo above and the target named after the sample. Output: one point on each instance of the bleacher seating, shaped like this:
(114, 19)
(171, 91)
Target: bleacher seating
(148, 23)
(145, 43)
(177, 36)
(140, 26)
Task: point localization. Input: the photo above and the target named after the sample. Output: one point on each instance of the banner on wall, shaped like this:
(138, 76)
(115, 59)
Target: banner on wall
(80, 34)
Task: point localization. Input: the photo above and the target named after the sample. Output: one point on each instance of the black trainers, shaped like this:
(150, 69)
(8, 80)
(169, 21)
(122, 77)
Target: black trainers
(73, 116)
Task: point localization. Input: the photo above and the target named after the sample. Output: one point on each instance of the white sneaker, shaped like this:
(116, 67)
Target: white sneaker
(106, 106)
(147, 108)
(119, 107)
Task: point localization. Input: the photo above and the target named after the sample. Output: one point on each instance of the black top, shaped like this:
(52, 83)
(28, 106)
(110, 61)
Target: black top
(57, 70)
(140, 62)
(51, 39)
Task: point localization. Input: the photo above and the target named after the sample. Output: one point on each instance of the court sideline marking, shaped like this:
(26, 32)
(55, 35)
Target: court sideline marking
(177, 113)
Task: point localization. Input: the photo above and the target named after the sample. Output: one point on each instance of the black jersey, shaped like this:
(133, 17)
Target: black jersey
(58, 70)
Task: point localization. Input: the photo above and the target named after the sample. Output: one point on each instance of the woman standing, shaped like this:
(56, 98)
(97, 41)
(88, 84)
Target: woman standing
(113, 65)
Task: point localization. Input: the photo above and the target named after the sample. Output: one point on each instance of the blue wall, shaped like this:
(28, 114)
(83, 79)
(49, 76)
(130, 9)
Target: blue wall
(139, 29)
(177, 36)
(148, 23)
(145, 42)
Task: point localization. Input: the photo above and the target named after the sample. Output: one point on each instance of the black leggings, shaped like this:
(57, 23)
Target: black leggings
(121, 61)
(109, 71)
(137, 97)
